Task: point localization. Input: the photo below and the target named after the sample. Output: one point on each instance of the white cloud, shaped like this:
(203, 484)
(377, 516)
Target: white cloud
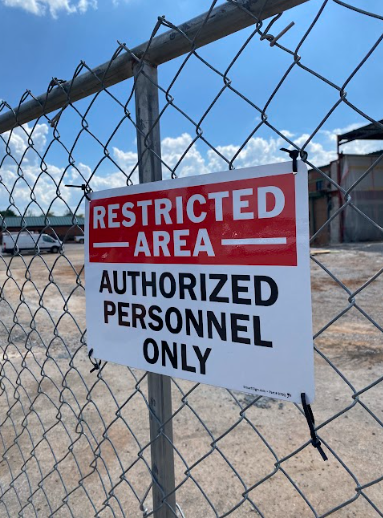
(197, 160)
(84, 5)
(21, 173)
(17, 141)
(318, 155)
(41, 7)
(34, 185)
(257, 151)
(118, 2)
(193, 163)
(113, 180)
(127, 161)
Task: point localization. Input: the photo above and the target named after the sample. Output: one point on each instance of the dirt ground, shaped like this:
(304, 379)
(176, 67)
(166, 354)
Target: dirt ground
(74, 444)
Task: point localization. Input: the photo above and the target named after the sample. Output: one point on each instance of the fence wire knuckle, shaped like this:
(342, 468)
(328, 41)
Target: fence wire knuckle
(77, 434)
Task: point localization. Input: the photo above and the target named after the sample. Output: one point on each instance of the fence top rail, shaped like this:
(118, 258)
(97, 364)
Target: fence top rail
(223, 20)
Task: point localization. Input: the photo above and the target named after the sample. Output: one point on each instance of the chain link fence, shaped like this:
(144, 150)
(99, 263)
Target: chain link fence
(78, 443)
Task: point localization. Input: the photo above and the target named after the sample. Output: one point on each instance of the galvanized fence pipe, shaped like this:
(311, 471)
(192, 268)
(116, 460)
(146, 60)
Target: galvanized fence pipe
(159, 387)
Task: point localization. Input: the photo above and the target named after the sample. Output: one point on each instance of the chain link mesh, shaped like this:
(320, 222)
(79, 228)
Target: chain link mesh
(76, 443)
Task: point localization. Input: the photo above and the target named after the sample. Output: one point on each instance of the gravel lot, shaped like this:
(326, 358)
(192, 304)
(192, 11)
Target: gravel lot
(60, 423)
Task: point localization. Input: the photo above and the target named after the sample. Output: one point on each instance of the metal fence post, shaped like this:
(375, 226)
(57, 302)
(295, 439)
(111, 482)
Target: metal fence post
(159, 387)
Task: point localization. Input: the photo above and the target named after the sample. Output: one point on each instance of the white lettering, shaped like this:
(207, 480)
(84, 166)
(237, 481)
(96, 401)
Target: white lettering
(279, 200)
(128, 214)
(179, 207)
(203, 243)
(144, 210)
(98, 217)
(179, 243)
(142, 245)
(218, 197)
(190, 208)
(239, 204)
(160, 241)
(162, 208)
(112, 215)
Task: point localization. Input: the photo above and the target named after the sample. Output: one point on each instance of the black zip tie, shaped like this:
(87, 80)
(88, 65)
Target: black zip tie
(311, 422)
(293, 154)
(96, 363)
(84, 187)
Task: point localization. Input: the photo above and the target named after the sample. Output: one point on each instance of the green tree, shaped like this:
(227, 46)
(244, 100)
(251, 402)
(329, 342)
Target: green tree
(8, 213)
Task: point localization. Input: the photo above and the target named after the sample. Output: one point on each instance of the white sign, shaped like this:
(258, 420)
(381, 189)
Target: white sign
(205, 278)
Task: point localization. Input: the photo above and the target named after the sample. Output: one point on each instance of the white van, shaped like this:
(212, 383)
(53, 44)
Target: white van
(15, 242)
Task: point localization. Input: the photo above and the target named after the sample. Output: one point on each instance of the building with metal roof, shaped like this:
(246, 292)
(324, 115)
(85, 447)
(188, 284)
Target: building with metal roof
(373, 131)
(361, 178)
(64, 227)
(43, 221)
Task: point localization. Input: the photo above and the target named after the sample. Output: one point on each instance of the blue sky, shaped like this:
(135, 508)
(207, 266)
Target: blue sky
(48, 38)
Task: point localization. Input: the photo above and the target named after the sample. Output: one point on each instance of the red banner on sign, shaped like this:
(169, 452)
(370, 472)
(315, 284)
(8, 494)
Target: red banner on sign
(249, 222)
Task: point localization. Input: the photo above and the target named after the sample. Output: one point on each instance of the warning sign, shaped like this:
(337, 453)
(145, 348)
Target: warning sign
(205, 278)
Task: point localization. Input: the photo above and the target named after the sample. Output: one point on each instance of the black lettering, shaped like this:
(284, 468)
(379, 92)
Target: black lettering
(187, 286)
(134, 276)
(202, 359)
(236, 289)
(202, 278)
(146, 284)
(109, 310)
(185, 366)
(105, 282)
(155, 352)
(138, 313)
(168, 320)
(219, 327)
(236, 328)
(222, 279)
(122, 314)
(257, 334)
(173, 285)
(117, 289)
(190, 318)
(153, 310)
(259, 301)
(172, 355)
